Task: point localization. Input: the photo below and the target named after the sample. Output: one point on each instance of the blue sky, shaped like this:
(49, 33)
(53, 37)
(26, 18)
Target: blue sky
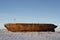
(30, 11)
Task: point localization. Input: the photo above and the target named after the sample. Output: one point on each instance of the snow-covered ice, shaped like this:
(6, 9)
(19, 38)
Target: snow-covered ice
(29, 35)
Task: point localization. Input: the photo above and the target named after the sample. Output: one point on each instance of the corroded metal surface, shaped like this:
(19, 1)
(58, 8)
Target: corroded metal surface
(25, 27)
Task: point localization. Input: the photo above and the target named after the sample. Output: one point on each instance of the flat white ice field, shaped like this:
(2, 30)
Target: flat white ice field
(29, 36)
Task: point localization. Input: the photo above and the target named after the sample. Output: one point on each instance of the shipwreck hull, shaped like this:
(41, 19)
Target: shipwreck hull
(24, 27)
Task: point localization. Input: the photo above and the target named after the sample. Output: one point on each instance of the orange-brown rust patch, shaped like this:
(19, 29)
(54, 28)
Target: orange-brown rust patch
(18, 27)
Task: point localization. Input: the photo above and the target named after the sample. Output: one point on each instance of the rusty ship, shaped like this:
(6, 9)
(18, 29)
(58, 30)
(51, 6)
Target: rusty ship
(30, 27)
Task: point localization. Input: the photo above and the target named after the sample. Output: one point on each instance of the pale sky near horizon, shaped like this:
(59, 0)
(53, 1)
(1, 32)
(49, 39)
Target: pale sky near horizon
(30, 11)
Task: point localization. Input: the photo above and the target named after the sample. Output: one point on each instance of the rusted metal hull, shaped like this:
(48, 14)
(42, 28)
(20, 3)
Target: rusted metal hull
(25, 27)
